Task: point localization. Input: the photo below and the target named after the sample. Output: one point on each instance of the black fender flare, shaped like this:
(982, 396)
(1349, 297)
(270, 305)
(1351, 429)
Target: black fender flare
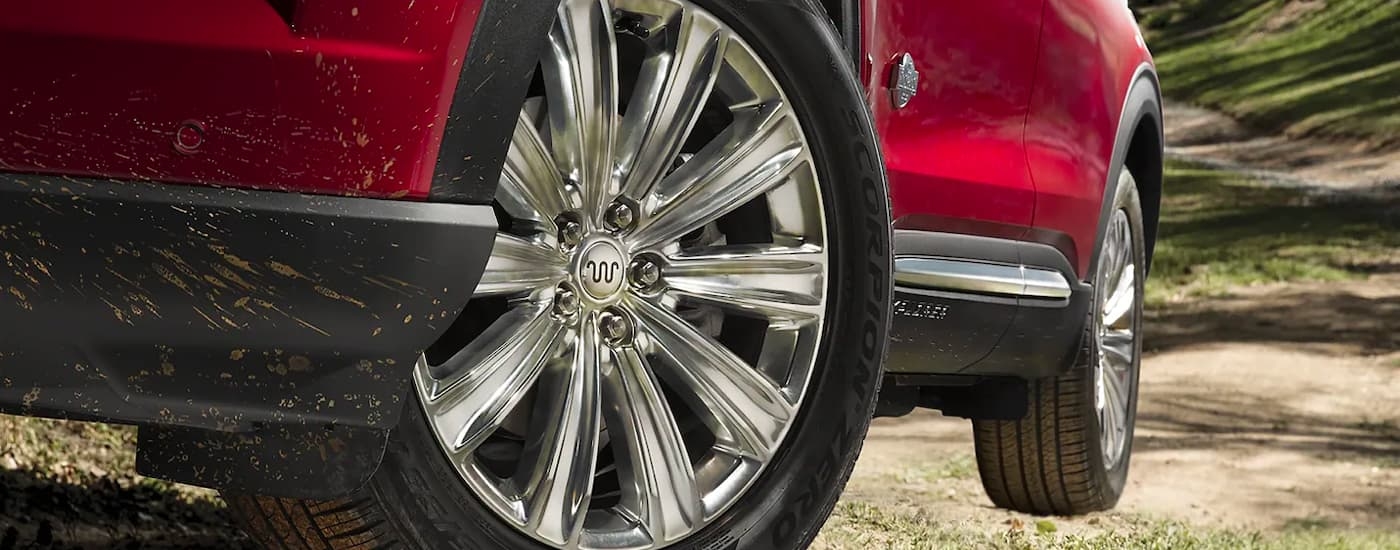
(1143, 101)
(505, 47)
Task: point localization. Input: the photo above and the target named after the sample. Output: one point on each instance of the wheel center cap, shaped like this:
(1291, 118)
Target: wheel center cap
(599, 269)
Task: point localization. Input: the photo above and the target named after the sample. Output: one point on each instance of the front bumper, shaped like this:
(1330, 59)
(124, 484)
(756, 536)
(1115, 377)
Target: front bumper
(221, 310)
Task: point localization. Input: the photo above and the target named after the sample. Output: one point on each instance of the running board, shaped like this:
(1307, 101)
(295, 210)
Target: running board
(960, 275)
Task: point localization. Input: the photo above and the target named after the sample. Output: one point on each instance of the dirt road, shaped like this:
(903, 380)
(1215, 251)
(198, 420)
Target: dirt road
(1276, 407)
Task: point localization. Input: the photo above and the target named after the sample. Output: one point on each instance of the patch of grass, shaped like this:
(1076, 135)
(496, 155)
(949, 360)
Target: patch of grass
(858, 526)
(1308, 524)
(1221, 229)
(957, 467)
(1305, 67)
(84, 455)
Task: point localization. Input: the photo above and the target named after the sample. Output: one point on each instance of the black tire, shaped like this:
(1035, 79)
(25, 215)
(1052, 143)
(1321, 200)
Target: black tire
(417, 499)
(1052, 461)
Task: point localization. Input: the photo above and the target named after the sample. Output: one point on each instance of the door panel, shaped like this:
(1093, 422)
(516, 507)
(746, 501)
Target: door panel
(1090, 51)
(330, 98)
(957, 149)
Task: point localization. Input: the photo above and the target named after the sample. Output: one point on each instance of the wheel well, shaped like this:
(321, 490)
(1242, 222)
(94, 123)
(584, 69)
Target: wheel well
(834, 10)
(845, 16)
(1144, 162)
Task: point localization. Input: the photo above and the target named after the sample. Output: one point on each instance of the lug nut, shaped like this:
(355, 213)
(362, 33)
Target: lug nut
(565, 301)
(570, 233)
(615, 327)
(620, 216)
(645, 273)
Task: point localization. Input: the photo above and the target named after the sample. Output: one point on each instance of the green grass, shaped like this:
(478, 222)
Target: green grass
(861, 526)
(1221, 229)
(961, 466)
(1303, 67)
(83, 454)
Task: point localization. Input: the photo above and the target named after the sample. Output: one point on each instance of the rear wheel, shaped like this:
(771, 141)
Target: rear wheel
(678, 336)
(1069, 455)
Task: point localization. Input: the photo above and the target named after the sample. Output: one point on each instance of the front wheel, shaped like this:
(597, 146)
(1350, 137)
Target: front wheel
(679, 335)
(1069, 455)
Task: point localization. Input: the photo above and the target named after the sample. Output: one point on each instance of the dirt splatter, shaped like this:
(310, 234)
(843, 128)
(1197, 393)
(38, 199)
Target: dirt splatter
(232, 260)
(285, 270)
(332, 294)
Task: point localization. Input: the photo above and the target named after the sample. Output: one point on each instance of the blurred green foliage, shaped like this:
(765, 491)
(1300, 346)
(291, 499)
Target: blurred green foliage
(1303, 67)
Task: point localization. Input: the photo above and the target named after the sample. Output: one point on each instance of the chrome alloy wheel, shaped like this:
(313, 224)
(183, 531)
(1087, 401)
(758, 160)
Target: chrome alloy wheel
(661, 278)
(1116, 326)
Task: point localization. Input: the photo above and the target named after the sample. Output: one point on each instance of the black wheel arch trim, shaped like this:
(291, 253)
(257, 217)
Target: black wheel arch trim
(1142, 101)
(846, 16)
(505, 47)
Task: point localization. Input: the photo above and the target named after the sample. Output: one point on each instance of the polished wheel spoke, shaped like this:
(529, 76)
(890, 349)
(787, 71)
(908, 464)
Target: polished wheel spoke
(1118, 349)
(490, 376)
(777, 282)
(1117, 338)
(531, 187)
(671, 90)
(1110, 419)
(751, 157)
(1122, 299)
(731, 396)
(661, 489)
(581, 87)
(564, 450)
(519, 265)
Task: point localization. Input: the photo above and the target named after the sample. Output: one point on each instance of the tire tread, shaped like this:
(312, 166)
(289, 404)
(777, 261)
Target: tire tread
(1041, 463)
(290, 524)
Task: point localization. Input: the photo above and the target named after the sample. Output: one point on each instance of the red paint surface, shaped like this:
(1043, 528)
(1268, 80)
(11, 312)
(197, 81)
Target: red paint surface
(955, 150)
(350, 99)
(1016, 114)
(1090, 52)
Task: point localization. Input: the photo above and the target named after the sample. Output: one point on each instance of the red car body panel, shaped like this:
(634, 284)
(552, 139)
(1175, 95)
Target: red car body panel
(1091, 52)
(955, 150)
(1012, 130)
(340, 98)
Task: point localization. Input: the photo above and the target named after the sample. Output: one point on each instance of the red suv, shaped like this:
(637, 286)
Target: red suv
(575, 274)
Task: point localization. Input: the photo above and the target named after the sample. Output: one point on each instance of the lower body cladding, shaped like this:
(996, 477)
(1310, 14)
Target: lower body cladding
(974, 317)
(263, 341)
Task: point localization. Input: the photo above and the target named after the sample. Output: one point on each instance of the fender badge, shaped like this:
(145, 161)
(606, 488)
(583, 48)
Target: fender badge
(904, 81)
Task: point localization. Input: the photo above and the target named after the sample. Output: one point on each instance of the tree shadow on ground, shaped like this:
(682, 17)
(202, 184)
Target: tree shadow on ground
(1189, 420)
(1220, 227)
(37, 511)
(1318, 316)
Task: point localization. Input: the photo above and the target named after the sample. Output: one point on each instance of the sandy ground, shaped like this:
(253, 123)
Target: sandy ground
(1279, 406)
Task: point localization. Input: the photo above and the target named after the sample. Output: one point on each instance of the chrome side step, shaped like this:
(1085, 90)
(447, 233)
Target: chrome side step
(959, 275)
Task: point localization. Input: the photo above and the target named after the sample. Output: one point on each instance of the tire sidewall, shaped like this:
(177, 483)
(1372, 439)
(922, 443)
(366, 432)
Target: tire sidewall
(795, 40)
(430, 506)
